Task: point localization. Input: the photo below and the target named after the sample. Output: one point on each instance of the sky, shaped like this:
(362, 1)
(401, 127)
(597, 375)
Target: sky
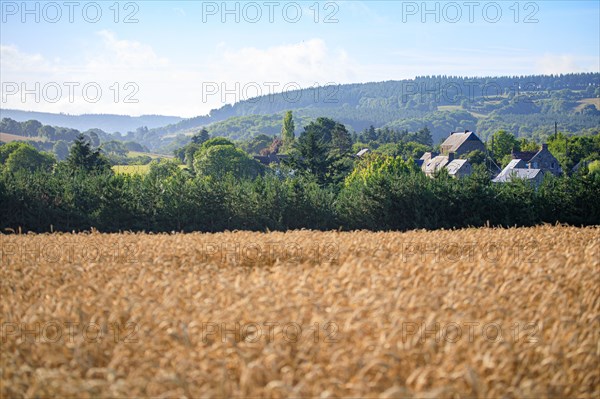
(184, 58)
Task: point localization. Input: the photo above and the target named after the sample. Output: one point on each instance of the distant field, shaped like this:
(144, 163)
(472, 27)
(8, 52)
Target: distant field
(449, 107)
(131, 169)
(459, 108)
(7, 138)
(478, 115)
(185, 133)
(473, 313)
(135, 169)
(585, 101)
(132, 154)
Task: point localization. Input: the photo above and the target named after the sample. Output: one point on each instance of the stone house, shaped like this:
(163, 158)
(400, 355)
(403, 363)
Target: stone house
(543, 160)
(459, 168)
(518, 169)
(456, 167)
(462, 143)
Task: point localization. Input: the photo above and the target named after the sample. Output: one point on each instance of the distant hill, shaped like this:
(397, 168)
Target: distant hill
(525, 105)
(106, 122)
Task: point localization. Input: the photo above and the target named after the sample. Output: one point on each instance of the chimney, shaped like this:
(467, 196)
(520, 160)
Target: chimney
(450, 157)
(544, 146)
(466, 131)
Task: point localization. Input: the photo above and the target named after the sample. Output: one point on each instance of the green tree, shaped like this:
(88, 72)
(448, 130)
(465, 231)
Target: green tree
(47, 132)
(82, 156)
(61, 150)
(27, 158)
(10, 126)
(528, 145)
(31, 128)
(423, 136)
(217, 141)
(114, 147)
(412, 149)
(189, 153)
(287, 131)
(594, 168)
(7, 149)
(389, 149)
(370, 134)
(162, 169)
(257, 144)
(341, 139)
(311, 154)
(221, 160)
(504, 144)
(94, 138)
(323, 129)
(201, 137)
(476, 157)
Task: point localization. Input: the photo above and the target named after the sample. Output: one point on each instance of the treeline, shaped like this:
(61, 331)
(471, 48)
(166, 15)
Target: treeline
(34, 128)
(390, 195)
(318, 185)
(58, 140)
(539, 127)
(107, 122)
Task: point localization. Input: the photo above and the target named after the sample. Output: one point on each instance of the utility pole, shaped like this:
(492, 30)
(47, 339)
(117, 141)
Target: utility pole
(555, 130)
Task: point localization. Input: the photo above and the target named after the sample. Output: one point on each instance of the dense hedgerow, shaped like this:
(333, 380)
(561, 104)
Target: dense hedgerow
(384, 195)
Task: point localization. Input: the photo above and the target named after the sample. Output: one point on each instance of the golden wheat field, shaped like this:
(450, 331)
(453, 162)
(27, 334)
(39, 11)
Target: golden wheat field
(484, 313)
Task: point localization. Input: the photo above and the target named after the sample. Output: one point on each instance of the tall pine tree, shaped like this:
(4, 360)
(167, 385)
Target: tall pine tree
(83, 156)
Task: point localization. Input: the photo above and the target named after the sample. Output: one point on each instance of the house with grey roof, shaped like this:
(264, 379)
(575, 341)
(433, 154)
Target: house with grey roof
(517, 169)
(459, 168)
(362, 152)
(530, 166)
(456, 167)
(426, 157)
(462, 143)
(542, 159)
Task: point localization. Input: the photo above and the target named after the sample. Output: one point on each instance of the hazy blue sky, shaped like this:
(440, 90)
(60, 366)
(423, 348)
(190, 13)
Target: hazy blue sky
(178, 58)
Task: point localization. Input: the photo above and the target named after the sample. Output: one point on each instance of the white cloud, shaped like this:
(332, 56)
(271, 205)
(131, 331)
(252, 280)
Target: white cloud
(125, 54)
(556, 64)
(177, 89)
(12, 60)
(305, 63)
(125, 71)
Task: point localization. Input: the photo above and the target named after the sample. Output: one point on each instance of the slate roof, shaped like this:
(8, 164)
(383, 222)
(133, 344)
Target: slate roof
(455, 140)
(454, 166)
(509, 173)
(435, 163)
(525, 156)
(362, 152)
(516, 163)
(429, 155)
